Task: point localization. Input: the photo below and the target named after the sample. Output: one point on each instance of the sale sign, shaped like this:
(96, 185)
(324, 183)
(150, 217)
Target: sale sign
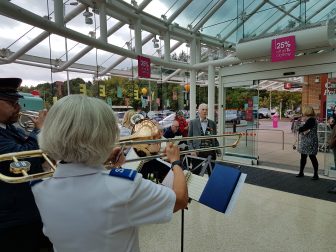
(144, 69)
(283, 49)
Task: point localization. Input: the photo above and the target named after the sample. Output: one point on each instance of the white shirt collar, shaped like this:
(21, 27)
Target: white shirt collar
(75, 169)
(2, 125)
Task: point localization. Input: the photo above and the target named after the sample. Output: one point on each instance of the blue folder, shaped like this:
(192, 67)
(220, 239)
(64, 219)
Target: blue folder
(220, 187)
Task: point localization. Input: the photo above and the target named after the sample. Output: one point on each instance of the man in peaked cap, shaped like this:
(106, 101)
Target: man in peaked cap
(20, 222)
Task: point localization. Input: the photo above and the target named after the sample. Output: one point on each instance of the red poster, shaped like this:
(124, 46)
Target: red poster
(283, 48)
(249, 115)
(144, 69)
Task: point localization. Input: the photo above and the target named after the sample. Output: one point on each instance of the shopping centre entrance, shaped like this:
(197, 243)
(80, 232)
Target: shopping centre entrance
(268, 128)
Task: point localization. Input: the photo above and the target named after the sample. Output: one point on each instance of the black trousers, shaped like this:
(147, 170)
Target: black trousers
(25, 238)
(303, 162)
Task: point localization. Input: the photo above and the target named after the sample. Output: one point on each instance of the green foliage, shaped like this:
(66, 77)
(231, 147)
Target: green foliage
(235, 98)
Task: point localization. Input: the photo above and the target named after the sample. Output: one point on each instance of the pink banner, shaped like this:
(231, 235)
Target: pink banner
(283, 49)
(144, 69)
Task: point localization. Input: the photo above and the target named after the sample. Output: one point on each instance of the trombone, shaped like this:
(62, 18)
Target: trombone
(22, 167)
(25, 119)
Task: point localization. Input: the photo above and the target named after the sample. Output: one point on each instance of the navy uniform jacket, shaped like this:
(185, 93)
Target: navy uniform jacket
(17, 205)
(168, 133)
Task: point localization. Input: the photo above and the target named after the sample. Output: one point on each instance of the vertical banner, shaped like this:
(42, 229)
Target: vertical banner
(158, 101)
(255, 106)
(330, 92)
(109, 101)
(283, 49)
(144, 69)
(119, 92)
(59, 85)
(249, 111)
(127, 101)
(174, 95)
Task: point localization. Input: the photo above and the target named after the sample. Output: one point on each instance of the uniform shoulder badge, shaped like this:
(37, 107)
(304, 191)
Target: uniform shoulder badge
(123, 173)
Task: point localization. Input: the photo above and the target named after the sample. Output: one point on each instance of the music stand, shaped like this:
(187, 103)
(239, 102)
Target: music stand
(205, 162)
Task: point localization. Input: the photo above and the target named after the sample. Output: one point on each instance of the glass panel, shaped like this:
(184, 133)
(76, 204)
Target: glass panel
(239, 116)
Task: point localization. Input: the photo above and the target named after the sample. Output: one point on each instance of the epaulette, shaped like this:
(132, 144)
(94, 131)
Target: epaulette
(123, 173)
(34, 182)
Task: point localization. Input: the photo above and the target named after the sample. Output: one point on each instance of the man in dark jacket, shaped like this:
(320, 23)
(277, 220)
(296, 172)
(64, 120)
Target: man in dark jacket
(172, 131)
(20, 222)
(202, 126)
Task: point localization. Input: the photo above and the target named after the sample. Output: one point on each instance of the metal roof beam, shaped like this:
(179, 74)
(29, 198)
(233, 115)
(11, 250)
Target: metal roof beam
(243, 21)
(173, 16)
(285, 12)
(178, 11)
(23, 15)
(39, 38)
(87, 49)
(208, 15)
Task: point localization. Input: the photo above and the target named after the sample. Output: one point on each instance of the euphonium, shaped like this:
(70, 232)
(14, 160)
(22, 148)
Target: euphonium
(25, 119)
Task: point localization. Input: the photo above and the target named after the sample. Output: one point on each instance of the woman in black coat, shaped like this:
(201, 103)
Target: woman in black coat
(308, 142)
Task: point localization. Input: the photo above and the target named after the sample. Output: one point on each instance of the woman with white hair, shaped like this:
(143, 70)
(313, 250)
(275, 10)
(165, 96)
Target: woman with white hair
(85, 207)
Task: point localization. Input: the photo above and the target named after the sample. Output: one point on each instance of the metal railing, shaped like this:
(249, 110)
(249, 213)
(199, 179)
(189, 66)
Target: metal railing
(283, 135)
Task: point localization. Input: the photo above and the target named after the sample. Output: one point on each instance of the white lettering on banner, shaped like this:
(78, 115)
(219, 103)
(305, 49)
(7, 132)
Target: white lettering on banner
(330, 88)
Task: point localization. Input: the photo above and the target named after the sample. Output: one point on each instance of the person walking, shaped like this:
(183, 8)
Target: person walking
(308, 145)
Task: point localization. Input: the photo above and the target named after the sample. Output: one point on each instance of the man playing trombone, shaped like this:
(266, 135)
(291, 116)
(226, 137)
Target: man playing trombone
(20, 223)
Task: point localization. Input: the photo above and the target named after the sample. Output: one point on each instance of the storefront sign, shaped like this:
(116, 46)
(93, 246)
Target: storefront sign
(283, 48)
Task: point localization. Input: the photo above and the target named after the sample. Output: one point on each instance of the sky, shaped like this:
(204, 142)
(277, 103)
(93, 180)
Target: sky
(11, 30)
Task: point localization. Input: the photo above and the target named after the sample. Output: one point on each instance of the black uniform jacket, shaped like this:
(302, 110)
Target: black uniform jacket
(17, 205)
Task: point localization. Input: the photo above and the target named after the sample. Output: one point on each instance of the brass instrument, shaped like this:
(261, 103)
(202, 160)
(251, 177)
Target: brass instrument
(25, 119)
(146, 140)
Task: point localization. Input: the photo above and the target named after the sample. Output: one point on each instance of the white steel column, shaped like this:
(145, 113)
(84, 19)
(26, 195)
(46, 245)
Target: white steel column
(59, 12)
(211, 89)
(193, 80)
(167, 46)
(221, 106)
(137, 36)
(103, 24)
(198, 51)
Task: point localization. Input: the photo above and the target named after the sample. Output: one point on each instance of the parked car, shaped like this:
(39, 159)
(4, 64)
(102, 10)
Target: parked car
(264, 113)
(231, 115)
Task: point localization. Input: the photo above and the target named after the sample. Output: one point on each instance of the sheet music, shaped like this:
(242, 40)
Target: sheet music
(196, 186)
(132, 165)
(235, 194)
(169, 179)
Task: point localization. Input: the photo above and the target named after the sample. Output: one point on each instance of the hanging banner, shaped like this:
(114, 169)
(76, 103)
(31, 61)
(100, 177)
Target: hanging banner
(119, 92)
(59, 85)
(330, 92)
(127, 101)
(283, 49)
(158, 101)
(109, 101)
(174, 95)
(144, 69)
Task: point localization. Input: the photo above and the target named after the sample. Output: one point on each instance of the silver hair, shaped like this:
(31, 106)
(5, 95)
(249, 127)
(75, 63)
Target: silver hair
(203, 105)
(79, 129)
